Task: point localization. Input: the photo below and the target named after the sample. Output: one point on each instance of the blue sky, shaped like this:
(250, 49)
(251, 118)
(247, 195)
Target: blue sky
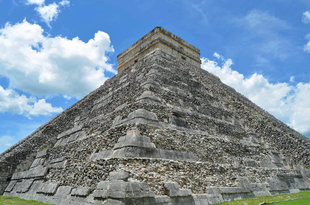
(53, 52)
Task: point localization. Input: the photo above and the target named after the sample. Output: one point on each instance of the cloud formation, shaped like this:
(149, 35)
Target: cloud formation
(35, 2)
(11, 101)
(48, 13)
(289, 103)
(306, 17)
(266, 31)
(48, 66)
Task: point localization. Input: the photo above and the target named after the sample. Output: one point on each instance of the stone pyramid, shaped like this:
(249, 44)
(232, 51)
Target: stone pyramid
(162, 131)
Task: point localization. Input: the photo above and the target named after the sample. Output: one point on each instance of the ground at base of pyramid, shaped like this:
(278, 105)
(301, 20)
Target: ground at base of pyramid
(162, 131)
(301, 198)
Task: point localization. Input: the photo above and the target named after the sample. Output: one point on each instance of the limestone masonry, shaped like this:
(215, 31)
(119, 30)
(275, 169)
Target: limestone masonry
(163, 132)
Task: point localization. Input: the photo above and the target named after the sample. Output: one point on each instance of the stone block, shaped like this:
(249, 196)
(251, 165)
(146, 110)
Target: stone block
(233, 190)
(117, 189)
(275, 185)
(144, 114)
(104, 185)
(24, 186)
(37, 162)
(176, 155)
(102, 194)
(42, 153)
(49, 188)
(36, 186)
(134, 139)
(171, 186)
(113, 202)
(81, 191)
(58, 163)
(173, 190)
(136, 190)
(64, 191)
(118, 175)
(10, 187)
(36, 172)
(148, 95)
(136, 152)
(215, 198)
(213, 191)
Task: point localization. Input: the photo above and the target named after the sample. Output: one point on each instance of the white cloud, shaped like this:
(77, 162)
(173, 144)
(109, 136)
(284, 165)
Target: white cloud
(35, 2)
(289, 103)
(11, 101)
(262, 22)
(64, 3)
(42, 65)
(307, 46)
(48, 13)
(266, 30)
(306, 17)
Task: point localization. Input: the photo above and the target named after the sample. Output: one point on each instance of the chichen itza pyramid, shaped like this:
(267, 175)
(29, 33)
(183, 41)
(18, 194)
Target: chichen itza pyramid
(162, 131)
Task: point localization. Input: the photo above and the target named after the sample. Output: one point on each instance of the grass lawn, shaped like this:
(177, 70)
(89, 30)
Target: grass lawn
(9, 200)
(302, 198)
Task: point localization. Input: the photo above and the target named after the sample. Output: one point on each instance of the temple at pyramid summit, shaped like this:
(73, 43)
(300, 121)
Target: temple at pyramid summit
(161, 132)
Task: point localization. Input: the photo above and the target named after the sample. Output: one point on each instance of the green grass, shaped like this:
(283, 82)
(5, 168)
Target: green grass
(302, 198)
(9, 200)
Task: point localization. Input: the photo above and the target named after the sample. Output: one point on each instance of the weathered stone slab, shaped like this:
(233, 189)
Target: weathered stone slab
(102, 194)
(201, 199)
(118, 175)
(36, 186)
(141, 116)
(144, 114)
(113, 202)
(176, 155)
(63, 191)
(119, 189)
(42, 153)
(37, 162)
(214, 198)
(58, 163)
(10, 187)
(134, 139)
(24, 186)
(173, 190)
(148, 95)
(135, 190)
(76, 128)
(36, 172)
(233, 190)
(235, 193)
(277, 185)
(49, 188)
(149, 83)
(150, 153)
(81, 191)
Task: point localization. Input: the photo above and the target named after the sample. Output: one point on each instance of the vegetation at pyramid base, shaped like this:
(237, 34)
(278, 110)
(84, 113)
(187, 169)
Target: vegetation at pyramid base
(301, 198)
(8, 200)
